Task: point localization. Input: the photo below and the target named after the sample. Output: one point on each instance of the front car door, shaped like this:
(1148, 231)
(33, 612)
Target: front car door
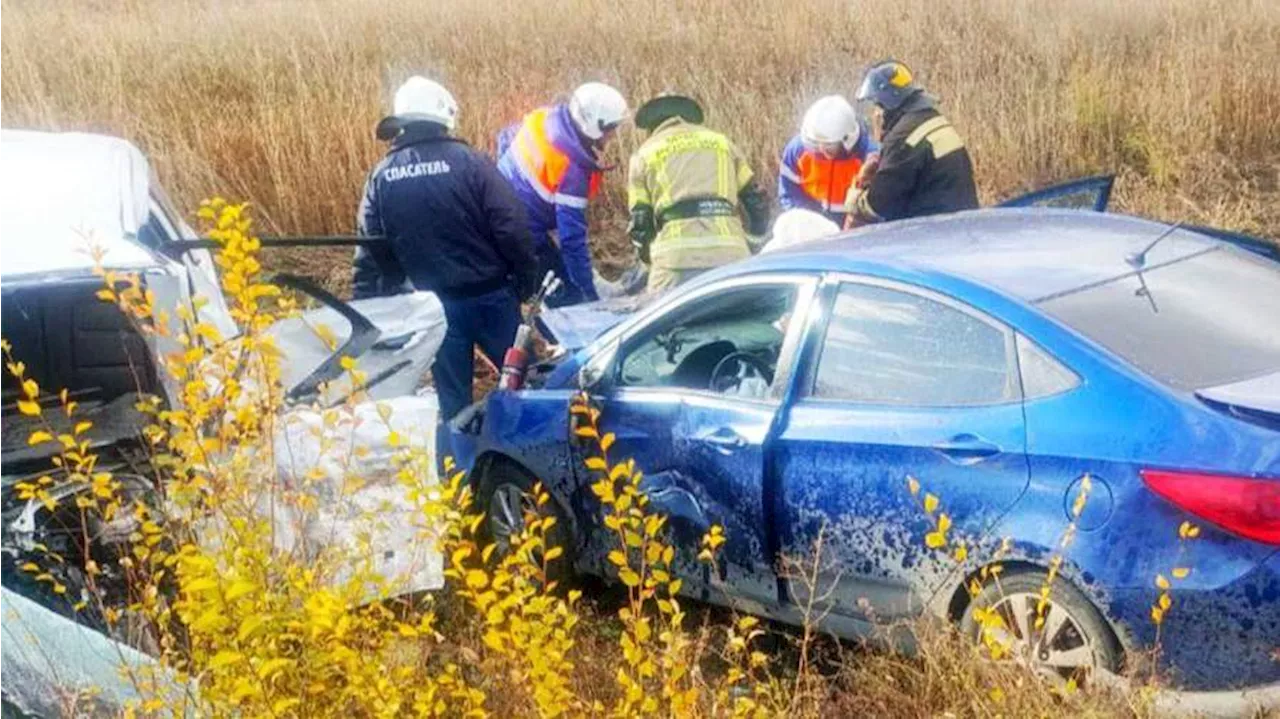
(693, 396)
(904, 383)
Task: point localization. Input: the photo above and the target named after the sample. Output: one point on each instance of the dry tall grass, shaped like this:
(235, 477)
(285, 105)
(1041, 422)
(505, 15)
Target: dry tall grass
(1181, 97)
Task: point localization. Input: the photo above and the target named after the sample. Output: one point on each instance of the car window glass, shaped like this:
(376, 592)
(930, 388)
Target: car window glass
(885, 346)
(728, 343)
(1042, 375)
(155, 232)
(1083, 199)
(161, 204)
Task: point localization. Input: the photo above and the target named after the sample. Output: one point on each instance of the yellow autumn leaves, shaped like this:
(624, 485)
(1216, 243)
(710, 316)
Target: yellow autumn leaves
(937, 538)
(1164, 600)
(659, 658)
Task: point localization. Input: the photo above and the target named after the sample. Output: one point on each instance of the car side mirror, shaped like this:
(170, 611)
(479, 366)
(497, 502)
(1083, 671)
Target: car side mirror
(595, 374)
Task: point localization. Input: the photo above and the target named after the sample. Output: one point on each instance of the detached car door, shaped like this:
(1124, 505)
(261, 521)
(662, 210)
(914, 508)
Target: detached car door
(693, 396)
(906, 386)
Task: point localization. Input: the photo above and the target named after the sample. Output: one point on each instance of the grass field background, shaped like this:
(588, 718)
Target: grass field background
(275, 101)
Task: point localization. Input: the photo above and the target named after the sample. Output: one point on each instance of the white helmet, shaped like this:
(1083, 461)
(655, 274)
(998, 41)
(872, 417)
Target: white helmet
(422, 99)
(831, 120)
(596, 107)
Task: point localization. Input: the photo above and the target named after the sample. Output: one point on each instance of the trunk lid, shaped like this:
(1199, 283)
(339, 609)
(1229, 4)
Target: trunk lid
(1255, 400)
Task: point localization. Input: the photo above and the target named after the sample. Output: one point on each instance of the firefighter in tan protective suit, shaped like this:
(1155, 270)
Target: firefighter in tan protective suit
(689, 191)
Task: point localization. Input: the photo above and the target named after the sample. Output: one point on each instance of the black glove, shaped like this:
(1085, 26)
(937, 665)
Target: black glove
(755, 204)
(525, 281)
(642, 230)
(642, 250)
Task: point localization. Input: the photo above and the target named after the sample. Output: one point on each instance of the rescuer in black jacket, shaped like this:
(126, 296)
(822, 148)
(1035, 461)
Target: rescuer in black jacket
(924, 168)
(452, 226)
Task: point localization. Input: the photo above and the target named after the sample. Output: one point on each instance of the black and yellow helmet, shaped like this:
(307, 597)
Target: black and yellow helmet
(888, 84)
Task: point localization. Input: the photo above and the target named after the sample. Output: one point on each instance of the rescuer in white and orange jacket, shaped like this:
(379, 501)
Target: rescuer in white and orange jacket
(551, 159)
(833, 152)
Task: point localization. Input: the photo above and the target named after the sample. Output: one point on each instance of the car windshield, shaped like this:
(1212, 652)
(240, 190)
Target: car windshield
(728, 343)
(1203, 321)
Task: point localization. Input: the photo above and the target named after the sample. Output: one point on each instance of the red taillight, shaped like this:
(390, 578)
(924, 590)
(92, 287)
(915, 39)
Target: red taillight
(1241, 505)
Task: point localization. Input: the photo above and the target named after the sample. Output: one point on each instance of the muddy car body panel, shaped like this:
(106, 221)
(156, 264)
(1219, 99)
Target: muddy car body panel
(1036, 398)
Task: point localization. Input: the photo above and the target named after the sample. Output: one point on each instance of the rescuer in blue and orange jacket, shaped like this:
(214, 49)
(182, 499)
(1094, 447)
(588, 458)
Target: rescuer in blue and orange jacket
(833, 152)
(551, 158)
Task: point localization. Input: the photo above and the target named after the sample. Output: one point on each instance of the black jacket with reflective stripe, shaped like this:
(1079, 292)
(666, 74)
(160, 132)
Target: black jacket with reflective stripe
(452, 223)
(924, 168)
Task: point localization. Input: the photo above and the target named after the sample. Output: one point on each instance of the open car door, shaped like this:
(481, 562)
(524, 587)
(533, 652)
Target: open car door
(1090, 193)
(394, 338)
(1094, 193)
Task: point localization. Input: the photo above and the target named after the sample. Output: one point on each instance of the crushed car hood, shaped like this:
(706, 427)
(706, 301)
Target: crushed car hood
(92, 189)
(48, 658)
(394, 339)
(576, 326)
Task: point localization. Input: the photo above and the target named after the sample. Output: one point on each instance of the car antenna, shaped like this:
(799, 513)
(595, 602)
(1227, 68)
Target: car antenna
(1138, 261)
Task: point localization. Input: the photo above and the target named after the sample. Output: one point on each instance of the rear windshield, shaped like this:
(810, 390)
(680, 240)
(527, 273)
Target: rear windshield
(1207, 320)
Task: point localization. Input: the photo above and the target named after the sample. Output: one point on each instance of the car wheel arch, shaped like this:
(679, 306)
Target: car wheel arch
(957, 594)
(957, 597)
(493, 460)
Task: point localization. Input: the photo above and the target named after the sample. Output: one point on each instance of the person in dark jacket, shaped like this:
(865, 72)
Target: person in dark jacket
(454, 227)
(924, 168)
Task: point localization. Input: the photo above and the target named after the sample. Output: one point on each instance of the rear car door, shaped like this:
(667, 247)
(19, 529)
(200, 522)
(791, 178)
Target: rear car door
(904, 383)
(693, 396)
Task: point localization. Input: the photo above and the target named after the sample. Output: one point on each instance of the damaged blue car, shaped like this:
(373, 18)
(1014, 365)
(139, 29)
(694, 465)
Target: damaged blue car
(1003, 359)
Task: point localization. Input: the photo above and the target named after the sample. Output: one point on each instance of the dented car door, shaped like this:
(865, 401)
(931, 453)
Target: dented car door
(694, 396)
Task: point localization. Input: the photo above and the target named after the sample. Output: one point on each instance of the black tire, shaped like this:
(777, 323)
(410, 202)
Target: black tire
(1079, 626)
(503, 480)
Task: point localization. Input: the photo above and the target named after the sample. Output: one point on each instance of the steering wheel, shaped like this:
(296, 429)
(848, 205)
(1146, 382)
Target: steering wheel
(723, 381)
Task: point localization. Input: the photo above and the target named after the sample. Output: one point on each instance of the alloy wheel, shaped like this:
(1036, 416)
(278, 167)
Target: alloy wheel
(507, 507)
(1059, 648)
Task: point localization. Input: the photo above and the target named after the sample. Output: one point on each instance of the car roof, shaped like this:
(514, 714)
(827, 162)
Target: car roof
(1029, 253)
(64, 191)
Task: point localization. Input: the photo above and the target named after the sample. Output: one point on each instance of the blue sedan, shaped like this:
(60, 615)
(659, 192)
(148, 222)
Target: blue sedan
(998, 357)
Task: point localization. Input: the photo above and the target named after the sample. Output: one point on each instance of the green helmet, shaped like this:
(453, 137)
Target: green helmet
(664, 107)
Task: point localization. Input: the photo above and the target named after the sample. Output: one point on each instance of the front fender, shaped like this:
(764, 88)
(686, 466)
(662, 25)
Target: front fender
(530, 430)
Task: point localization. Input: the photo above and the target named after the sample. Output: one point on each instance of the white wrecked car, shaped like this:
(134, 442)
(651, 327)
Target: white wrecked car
(64, 191)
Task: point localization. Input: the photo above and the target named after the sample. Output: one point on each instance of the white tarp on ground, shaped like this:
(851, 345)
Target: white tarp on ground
(376, 511)
(59, 191)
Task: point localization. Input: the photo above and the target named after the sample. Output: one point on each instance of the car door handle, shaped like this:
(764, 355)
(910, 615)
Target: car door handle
(724, 440)
(967, 448)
